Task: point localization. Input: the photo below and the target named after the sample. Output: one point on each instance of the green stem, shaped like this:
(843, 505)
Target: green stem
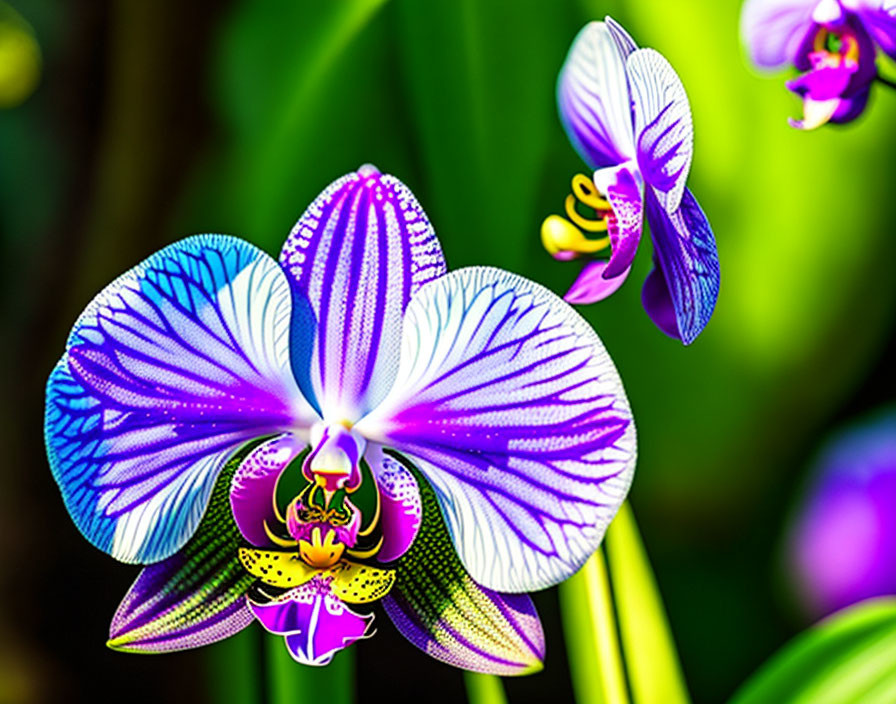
(589, 625)
(292, 683)
(650, 656)
(484, 689)
(233, 671)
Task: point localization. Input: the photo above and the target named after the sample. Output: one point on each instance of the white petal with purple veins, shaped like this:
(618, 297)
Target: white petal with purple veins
(664, 130)
(593, 98)
(509, 405)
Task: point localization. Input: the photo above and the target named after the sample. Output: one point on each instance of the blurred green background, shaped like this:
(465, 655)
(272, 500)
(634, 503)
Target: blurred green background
(155, 120)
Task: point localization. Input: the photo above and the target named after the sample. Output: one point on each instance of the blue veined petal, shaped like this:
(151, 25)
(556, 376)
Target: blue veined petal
(169, 369)
(680, 294)
(593, 98)
(664, 130)
(511, 408)
(358, 254)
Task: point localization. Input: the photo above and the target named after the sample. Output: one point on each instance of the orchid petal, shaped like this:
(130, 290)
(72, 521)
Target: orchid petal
(401, 509)
(196, 596)
(593, 98)
(815, 113)
(591, 286)
(315, 623)
(254, 483)
(624, 189)
(774, 30)
(685, 249)
(512, 409)
(441, 610)
(358, 254)
(167, 372)
(663, 127)
(624, 42)
(879, 19)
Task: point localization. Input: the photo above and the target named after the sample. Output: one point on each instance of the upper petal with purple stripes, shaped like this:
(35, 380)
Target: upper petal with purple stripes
(358, 254)
(169, 370)
(510, 406)
(663, 127)
(593, 98)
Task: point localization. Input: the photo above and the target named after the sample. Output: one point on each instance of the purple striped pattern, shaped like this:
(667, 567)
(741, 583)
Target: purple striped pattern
(593, 98)
(512, 409)
(680, 293)
(170, 369)
(359, 253)
(663, 126)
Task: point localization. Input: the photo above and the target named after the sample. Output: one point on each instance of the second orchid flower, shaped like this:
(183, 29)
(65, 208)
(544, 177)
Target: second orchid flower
(627, 115)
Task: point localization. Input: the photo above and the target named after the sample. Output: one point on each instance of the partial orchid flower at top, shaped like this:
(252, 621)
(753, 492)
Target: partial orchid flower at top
(841, 547)
(831, 42)
(627, 115)
(290, 442)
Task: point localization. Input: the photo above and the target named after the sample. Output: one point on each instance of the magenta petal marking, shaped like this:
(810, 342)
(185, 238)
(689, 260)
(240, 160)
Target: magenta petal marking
(358, 254)
(253, 485)
(316, 624)
(624, 190)
(511, 408)
(591, 286)
(401, 508)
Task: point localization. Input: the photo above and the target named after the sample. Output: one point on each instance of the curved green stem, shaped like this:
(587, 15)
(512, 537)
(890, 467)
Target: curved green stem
(289, 682)
(650, 656)
(484, 689)
(589, 625)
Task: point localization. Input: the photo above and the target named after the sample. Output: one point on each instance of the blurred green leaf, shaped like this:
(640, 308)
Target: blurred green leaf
(20, 59)
(651, 660)
(480, 84)
(848, 658)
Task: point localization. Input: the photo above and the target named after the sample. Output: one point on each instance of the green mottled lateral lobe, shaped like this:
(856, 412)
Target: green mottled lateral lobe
(440, 609)
(196, 596)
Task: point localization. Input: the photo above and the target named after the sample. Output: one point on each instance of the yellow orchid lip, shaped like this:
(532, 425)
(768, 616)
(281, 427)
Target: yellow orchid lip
(321, 553)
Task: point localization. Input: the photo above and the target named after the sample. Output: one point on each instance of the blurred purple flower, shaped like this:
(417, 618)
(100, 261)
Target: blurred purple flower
(831, 42)
(627, 115)
(842, 544)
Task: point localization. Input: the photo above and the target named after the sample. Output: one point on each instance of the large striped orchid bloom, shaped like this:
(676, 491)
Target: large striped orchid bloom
(627, 115)
(290, 442)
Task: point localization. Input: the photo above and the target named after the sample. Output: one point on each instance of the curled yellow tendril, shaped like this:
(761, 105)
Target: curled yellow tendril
(562, 236)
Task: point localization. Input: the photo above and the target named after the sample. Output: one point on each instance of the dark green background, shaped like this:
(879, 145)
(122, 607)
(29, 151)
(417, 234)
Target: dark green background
(155, 120)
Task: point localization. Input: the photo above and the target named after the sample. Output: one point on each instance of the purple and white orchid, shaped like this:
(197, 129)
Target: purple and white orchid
(833, 45)
(289, 442)
(627, 115)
